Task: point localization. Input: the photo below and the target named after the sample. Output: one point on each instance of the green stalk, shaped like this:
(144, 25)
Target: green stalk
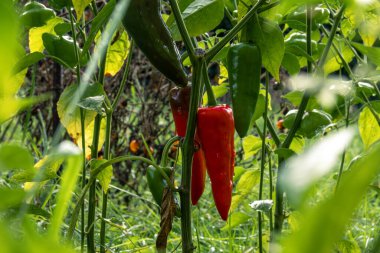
(344, 152)
(29, 112)
(107, 156)
(232, 33)
(273, 133)
(82, 122)
(210, 92)
(279, 213)
(187, 157)
(262, 163)
(125, 77)
(182, 29)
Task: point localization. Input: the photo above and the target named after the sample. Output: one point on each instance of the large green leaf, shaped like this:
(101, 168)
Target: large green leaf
(369, 128)
(72, 167)
(333, 62)
(15, 156)
(200, 16)
(324, 224)
(270, 40)
(373, 53)
(79, 6)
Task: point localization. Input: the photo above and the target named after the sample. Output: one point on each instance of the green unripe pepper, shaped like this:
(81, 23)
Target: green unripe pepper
(156, 183)
(35, 15)
(297, 44)
(244, 69)
(297, 19)
(145, 25)
(312, 122)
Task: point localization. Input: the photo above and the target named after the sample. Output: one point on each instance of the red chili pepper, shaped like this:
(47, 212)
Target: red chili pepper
(216, 132)
(179, 102)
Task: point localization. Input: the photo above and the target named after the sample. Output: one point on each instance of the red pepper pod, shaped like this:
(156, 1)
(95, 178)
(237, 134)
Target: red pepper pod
(179, 102)
(216, 131)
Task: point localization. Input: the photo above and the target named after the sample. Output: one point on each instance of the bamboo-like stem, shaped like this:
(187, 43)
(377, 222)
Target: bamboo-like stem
(262, 162)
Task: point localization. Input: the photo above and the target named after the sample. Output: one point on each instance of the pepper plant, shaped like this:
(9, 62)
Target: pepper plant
(302, 43)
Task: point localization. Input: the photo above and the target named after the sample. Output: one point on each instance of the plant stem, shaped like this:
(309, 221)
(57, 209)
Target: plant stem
(187, 156)
(107, 156)
(165, 152)
(31, 93)
(82, 123)
(210, 92)
(232, 33)
(348, 104)
(272, 132)
(262, 164)
(182, 29)
(125, 77)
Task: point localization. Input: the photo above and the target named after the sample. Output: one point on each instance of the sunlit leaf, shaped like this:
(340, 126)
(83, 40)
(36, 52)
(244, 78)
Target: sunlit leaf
(79, 6)
(251, 145)
(247, 181)
(72, 166)
(369, 128)
(35, 34)
(235, 220)
(105, 175)
(117, 52)
(200, 16)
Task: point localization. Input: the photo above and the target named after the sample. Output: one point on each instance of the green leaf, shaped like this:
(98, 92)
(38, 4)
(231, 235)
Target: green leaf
(27, 61)
(333, 62)
(61, 47)
(105, 175)
(219, 91)
(235, 220)
(284, 153)
(247, 181)
(373, 53)
(117, 52)
(295, 97)
(72, 121)
(270, 40)
(72, 167)
(11, 197)
(324, 224)
(93, 98)
(369, 128)
(200, 16)
(251, 145)
(15, 156)
(35, 34)
(62, 28)
(290, 63)
(10, 106)
(79, 6)
(238, 171)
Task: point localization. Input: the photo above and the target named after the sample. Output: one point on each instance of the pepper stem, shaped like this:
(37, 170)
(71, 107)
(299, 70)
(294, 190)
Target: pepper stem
(210, 92)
